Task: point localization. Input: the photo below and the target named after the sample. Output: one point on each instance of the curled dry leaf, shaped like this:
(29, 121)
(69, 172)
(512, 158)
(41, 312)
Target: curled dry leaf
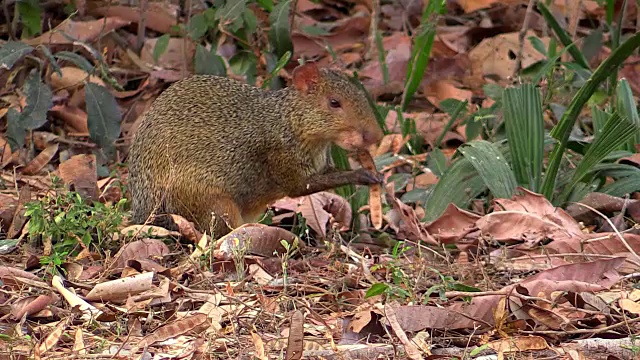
(140, 250)
(73, 116)
(73, 77)
(41, 160)
(84, 31)
(318, 208)
(403, 220)
(375, 190)
(453, 225)
(186, 228)
(19, 219)
(295, 344)
(259, 239)
(79, 174)
(196, 322)
(120, 289)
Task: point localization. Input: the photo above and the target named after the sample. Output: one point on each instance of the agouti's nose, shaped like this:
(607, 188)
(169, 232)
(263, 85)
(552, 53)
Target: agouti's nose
(372, 136)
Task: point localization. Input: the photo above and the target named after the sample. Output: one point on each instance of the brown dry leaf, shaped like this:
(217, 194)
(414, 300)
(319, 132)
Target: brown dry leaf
(8, 204)
(600, 201)
(259, 239)
(173, 57)
(473, 5)
(375, 190)
(429, 126)
(494, 57)
(121, 289)
(78, 344)
(140, 250)
(318, 209)
(72, 77)
(33, 306)
(19, 219)
(391, 142)
(439, 90)
(157, 17)
(196, 322)
(518, 344)
(73, 116)
(409, 347)
(398, 48)
(186, 228)
(41, 160)
(403, 220)
(453, 225)
(54, 336)
(551, 319)
(258, 344)
(295, 344)
(85, 31)
(629, 305)
(79, 174)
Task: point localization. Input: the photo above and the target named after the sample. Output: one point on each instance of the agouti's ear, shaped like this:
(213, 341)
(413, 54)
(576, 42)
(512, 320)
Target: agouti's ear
(306, 77)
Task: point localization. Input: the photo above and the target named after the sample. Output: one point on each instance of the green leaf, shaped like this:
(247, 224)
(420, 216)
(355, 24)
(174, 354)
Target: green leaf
(626, 104)
(376, 289)
(39, 101)
(31, 15)
(284, 60)
(314, 30)
(564, 37)
(11, 52)
(616, 131)
(598, 118)
(243, 63)
(525, 131)
(266, 4)
(198, 26)
(279, 35)
(459, 184)
(103, 115)
(208, 63)
(418, 62)
(161, 46)
(624, 186)
(231, 10)
(250, 21)
(491, 166)
(15, 131)
(78, 60)
(45, 50)
(538, 45)
(562, 130)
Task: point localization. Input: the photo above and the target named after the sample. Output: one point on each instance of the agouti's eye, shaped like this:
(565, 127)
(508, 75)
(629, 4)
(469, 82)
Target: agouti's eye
(334, 103)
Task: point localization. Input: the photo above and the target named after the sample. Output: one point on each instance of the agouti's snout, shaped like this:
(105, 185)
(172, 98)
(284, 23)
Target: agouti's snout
(359, 139)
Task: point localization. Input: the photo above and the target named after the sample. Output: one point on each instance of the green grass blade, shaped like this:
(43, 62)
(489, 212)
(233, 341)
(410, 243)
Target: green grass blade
(626, 105)
(492, 167)
(575, 53)
(418, 62)
(617, 130)
(599, 118)
(624, 186)
(524, 126)
(563, 129)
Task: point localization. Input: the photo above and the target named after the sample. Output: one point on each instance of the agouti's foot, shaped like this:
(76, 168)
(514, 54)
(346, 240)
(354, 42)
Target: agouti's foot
(366, 177)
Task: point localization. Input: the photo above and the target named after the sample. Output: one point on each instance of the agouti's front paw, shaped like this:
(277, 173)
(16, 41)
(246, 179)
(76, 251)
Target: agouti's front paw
(366, 177)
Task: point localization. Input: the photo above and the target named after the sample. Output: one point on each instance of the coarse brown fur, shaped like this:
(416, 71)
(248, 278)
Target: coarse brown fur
(212, 145)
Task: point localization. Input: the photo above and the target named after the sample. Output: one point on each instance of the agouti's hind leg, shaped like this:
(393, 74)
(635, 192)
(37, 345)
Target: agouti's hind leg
(219, 215)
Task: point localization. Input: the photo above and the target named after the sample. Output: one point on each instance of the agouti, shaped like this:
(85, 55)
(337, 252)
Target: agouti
(212, 147)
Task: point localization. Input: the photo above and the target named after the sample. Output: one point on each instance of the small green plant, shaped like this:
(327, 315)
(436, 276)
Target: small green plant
(398, 287)
(448, 283)
(66, 219)
(238, 251)
(290, 250)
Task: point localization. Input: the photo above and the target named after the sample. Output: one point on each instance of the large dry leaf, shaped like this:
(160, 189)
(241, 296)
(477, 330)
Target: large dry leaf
(140, 250)
(256, 239)
(41, 160)
(85, 31)
(318, 209)
(157, 17)
(79, 174)
(452, 225)
(403, 220)
(72, 77)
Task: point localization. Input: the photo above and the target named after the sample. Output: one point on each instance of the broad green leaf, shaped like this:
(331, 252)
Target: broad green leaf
(538, 45)
(598, 118)
(15, 131)
(279, 35)
(244, 63)
(455, 109)
(78, 60)
(266, 4)
(626, 105)
(208, 63)
(592, 43)
(525, 131)
(614, 170)
(617, 130)
(562, 130)
(103, 115)
(198, 26)
(418, 62)
(458, 185)
(491, 166)
(376, 289)
(624, 186)
(250, 21)
(161, 46)
(31, 15)
(11, 52)
(231, 10)
(39, 101)
(437, 162)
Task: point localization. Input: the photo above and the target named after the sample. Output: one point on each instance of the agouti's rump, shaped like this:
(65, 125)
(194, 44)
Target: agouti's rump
(211, 145)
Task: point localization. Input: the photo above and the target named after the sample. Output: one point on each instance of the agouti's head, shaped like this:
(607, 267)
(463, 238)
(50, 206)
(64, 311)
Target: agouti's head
(347, 118)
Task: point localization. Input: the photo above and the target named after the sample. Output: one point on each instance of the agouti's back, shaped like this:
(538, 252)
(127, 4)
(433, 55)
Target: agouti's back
(214, 146)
